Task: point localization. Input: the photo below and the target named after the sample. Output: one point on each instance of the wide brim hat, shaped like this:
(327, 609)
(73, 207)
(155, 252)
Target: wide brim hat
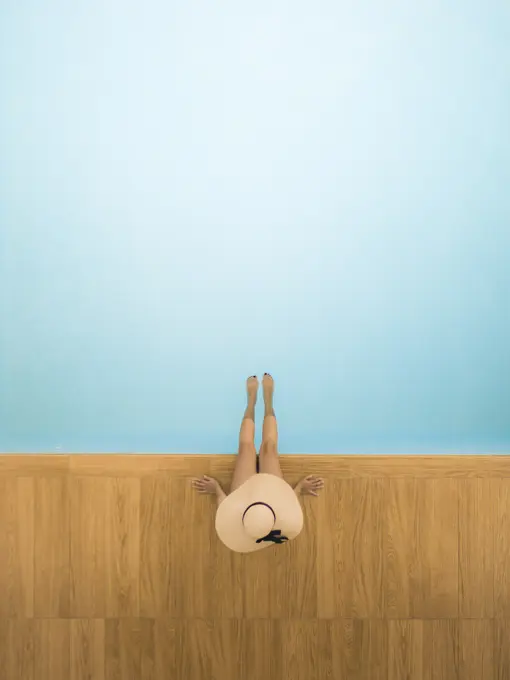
(261, 498)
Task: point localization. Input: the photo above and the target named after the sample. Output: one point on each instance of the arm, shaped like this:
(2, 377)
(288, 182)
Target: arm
(220, 495)
(209, 485)
(309, 485)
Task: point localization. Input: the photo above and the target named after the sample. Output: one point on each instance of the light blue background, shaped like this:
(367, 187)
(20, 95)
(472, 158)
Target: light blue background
(194, 192)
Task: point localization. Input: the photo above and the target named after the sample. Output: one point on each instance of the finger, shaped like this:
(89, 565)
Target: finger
(313, 493)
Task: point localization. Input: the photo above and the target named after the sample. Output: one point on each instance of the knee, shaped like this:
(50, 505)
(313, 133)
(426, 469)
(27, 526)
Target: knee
(269, 447)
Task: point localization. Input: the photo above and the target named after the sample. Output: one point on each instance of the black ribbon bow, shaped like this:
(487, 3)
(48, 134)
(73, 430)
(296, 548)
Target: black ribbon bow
(273, 537)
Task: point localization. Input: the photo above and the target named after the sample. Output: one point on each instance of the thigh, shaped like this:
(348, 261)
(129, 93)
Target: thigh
(246, 465)
(269, 459)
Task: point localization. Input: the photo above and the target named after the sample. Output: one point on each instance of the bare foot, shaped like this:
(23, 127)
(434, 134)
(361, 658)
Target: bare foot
(268, 386)
(252, 387)
(310, 485)
(206, 485)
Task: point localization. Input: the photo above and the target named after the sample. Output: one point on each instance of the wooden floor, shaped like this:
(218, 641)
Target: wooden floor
(110, 569)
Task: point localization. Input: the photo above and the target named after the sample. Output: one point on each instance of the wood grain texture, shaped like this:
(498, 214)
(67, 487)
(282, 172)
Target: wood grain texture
(441, 650)
(156, 565)
(160, 642)
(402, 566)
(476, 649)
(110, 569)
(435, 589)
(104, 547)
(477, 521)
(502, 649)
(123, 654)
(345, 466)
(25, 465)
(405, 650)
(352, 649)
(16, 547)
(51, 551)
(502, 550)
(350, 569)
(87, 649)
(51, 648)
(17, 659)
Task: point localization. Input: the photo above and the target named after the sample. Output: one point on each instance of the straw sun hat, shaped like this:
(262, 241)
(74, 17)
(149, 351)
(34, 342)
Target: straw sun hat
(263, 511)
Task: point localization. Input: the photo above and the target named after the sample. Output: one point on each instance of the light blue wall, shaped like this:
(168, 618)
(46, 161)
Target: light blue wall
(194, 192)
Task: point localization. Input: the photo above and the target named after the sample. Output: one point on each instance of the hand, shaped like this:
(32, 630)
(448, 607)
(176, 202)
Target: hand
(310, 485)
(206, 485)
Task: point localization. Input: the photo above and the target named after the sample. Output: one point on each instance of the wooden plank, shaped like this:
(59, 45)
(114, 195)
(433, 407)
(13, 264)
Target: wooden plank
(26, 465)
(140, 465)
(156, 532)
(87, 649)
(291, 581)
(52, 649)
(17, 649)
(441, 650)
(195, 653)
(116, 465)
(405, 650)
(369, 503)
(401, 548)
(104, 547)
(350, 649)
(174, 570)
(123, 649)
(476, 649)
(502, 551)
(160, 639)
(261, 650)
(435, 587)
(226, 586)
(335, 553)
(477, 518)
(293, 466)
(193, 512)
(501, 649)
(16, 547)
(51, 560)
(88, 547)
(350, 557)
(338, 657)
(257, 571)
(298, 648)
(122, 549)
(352, 466)
(327, 512)
(226, 643)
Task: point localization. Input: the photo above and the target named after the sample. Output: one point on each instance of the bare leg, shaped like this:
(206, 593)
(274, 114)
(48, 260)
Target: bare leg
(269, 461)
(246, 464)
